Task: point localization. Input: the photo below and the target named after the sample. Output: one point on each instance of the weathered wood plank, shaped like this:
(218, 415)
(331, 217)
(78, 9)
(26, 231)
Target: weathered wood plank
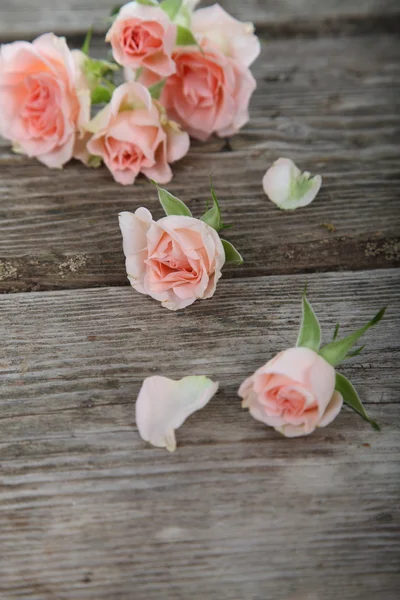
(88, 511)
(93, 345)
(331, 104)
(21, 18)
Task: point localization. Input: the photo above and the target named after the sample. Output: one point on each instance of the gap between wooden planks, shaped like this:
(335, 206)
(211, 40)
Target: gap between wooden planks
(90, 511)
(21, 18)
(329, 103)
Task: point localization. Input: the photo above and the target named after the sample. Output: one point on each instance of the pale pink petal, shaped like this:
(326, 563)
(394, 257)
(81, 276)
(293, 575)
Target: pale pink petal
(58, 156)
(178, 143)
(332, 410)
(134, 228)
(233, 38)
(163, 405)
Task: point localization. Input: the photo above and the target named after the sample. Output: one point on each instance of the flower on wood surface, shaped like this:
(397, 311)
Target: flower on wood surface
(177, 259)
(133, 135)
(143, 36)
(299, 390)
(45, 103)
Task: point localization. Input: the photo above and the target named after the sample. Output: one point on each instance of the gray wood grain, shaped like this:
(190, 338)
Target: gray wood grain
(89, 511)
(331, 104)
(22, 18)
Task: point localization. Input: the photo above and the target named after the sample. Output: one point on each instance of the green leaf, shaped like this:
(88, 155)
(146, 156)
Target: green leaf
(231, 254)
(171, 7)
(184, 37)
(115, 10)
(156, 89)
(351, 398)
(213, 216)
(335, 333)
(310, 330)
(87, 40)
(337, 351)
(356, 352)
(101, 95)
(171, 204)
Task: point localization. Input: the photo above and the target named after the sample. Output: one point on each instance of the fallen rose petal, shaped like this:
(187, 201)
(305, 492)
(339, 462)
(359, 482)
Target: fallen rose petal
(288, 187)
(163, 405)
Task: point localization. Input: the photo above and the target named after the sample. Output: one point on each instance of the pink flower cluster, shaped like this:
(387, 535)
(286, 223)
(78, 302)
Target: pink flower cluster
(186, 71)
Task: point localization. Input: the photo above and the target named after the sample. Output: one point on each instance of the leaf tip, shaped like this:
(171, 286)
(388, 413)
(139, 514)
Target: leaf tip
(379, 316)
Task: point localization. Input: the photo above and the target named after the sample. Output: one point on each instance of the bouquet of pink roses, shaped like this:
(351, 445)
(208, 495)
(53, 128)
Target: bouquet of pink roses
(186, 73)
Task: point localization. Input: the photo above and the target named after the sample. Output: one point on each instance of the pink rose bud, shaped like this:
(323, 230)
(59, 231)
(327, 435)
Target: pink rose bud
(143, 36)
(233, 38)
(44, 100)
(175, 260)
(209, 92)
(294, 393)
(133, 135)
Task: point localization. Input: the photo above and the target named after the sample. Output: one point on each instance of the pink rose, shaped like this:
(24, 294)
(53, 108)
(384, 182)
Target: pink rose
(233, 38)
(44, 102)
(175, 260)
(294, 393)
(209, 92)
(132, 135)
(143, 36)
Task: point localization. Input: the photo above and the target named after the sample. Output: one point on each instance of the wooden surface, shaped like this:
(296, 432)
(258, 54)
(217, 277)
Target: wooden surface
(25, 18)
(331, 104)
(238, 512)
(87, 510)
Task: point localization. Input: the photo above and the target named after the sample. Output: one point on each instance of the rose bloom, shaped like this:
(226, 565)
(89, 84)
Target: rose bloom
(44, 102)
(209, 92)
(132, 135)
(143, 36)
(175, 260)
(233, 38)
(294, 393)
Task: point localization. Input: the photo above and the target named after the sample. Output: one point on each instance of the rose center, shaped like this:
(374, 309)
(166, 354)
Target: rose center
(124, 155)
(137, 41)
(40, 111)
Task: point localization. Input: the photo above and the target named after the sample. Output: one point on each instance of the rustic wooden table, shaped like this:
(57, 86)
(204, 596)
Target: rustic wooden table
(88, 511)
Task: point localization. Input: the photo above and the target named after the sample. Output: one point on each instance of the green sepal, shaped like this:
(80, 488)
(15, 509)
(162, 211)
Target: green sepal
(171, 204)
(184, 37)
(87, 41)
(94, 161)
(231, 254)
(355, 352)
(147, 2)
(310, 329)
(336, 332)
(115, 10)
(101, 95)
(351, 398)
(171, 7)
(337, 351)
(156, 89)
(213, 215)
